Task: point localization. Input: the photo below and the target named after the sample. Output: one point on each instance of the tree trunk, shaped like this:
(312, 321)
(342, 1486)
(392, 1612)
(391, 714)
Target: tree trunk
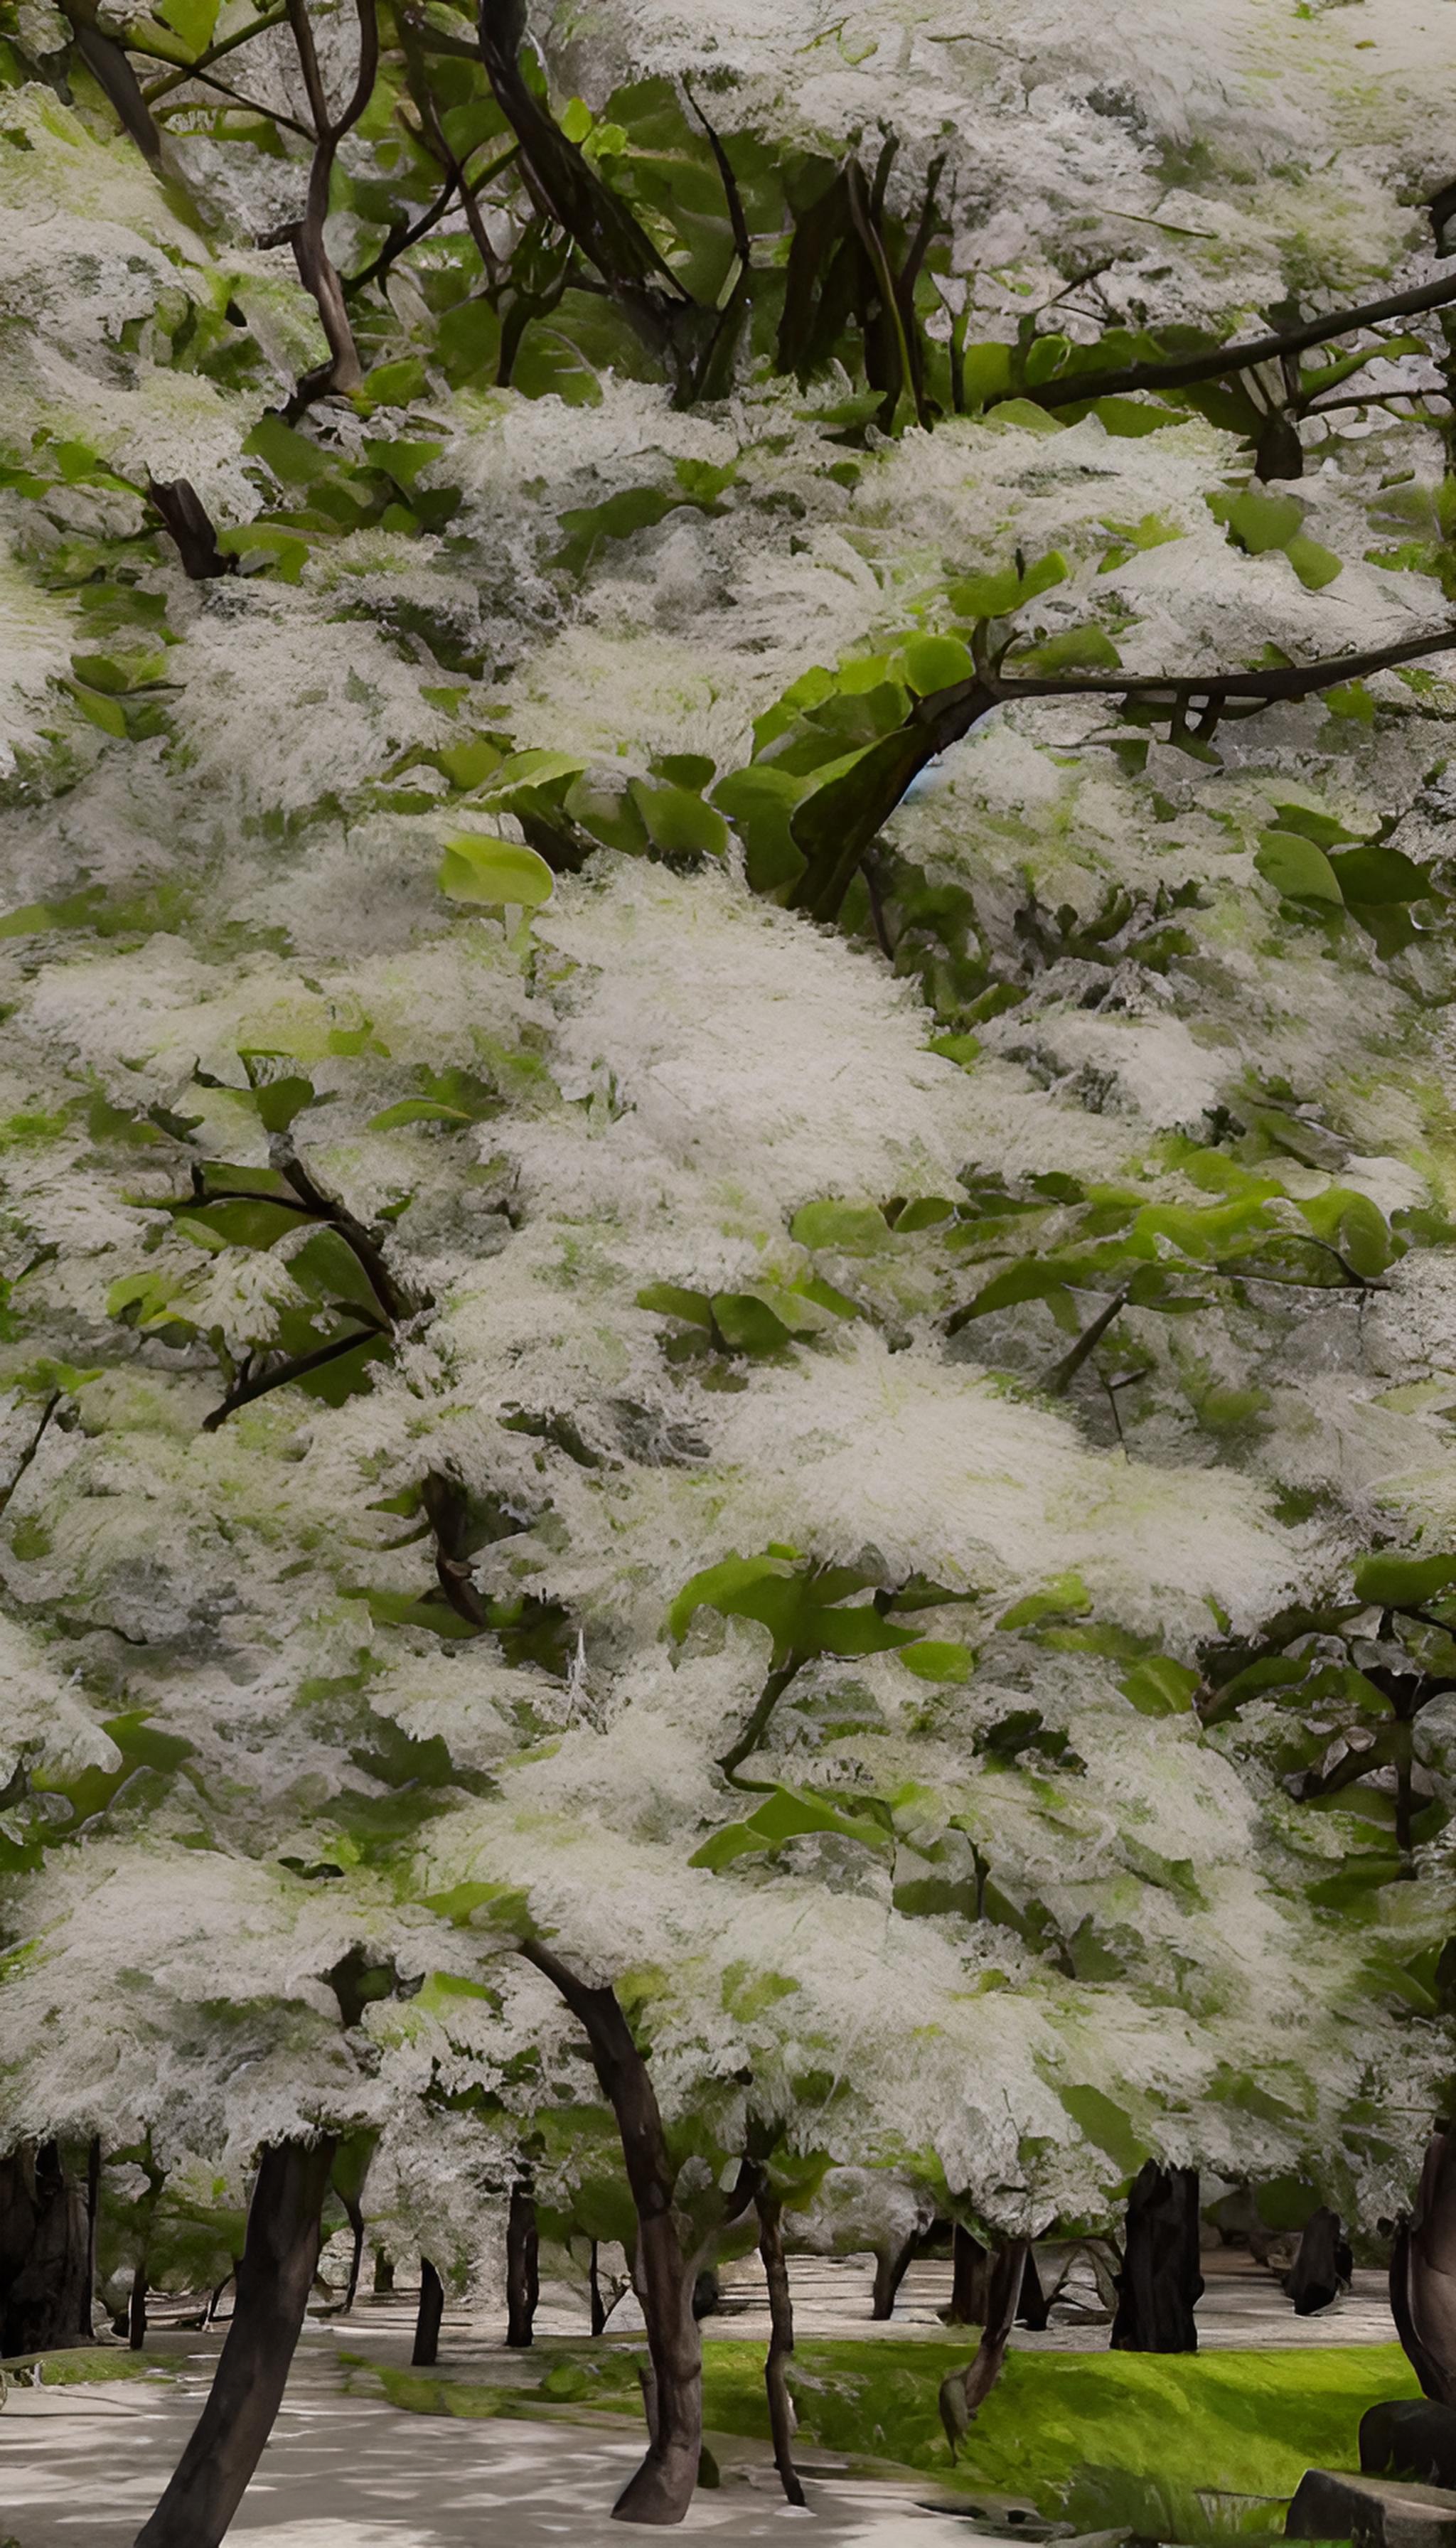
(970, 2268)
(85, 2324)
(274, 2278)
(780, 2341)
(522, 2278)
(427, 2325)
(383, 2272)
(661, 2490)
(1160, 2282)
(1423, 2274)
(890, 2267)
(44, 2251)
(137, 2309)
(963, 2393)
(1033, 2308)
(593, 2286)
(1322, 2267)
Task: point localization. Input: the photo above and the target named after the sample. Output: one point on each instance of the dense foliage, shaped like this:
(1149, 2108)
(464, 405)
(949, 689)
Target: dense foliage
(729, 1147)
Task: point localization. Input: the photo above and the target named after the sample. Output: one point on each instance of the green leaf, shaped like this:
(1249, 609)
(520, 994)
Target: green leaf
(678, 822)
(936, 664)
(478, 866)
(671, 1301)
(1295, 866)
(1105, 2125)
(1088, 648)
(1314, 565)
(748, 1326)
(724, 1587)
(1261, 522)
(938, 1659)
(995, 596)
(483, 1907)
(1403, 1582)
(192, 20)
(853, 1228)
(787, 1815)
(1159, 1686)
(1370, 873)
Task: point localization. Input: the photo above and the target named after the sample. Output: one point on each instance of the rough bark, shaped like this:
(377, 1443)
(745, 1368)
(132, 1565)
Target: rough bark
(963, 2393)
(780, 2341)
(522, 2276)
(1160, 2282)
(1032, 2306)
(661, 2490)
(971, 2268)
(1423, 2274)
(44, 2251)
(1322, 2267)
(427, 2325)
(890, 2267)
(274, 2278)
(193, 532)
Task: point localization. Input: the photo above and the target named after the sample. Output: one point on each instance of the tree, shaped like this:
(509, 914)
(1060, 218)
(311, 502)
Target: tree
(726, 1183)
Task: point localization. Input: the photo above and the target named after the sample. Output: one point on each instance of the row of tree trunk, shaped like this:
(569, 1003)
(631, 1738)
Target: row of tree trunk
(46, 2253)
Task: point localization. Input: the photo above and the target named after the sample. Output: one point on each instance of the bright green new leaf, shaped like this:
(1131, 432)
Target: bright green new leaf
(1159, 1686)
(478, 866)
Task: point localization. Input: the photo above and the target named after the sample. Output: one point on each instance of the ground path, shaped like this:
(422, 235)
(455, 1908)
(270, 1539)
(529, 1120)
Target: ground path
(81, 2468)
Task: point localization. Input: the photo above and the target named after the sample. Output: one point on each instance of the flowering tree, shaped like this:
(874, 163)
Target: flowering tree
(728, 1172)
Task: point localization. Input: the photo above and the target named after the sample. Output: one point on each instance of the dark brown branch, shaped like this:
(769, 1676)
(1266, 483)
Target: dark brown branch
(963, 2393)
(834, 825)
(252, 1386)
(445, 1507)
(393, 1302)
(1182, 371)
(319, 273)
(193, 532)
(273, 114)
(108, 65)
(1060, 1375)
(757, 1724)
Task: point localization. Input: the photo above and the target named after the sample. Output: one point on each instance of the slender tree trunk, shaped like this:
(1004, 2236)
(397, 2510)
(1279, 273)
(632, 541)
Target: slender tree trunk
(85, 2322)
(1160, 2282)
(661, 2489)
(891, 2265)
(780, 2340)
(274, 2278)
(970, 2268)
(44, 2251)
(522, 2276)
(593, 2286)
(355, 2220)
(1033, 2306)
(963, 2393)
(427, 2325)
(137, 2309)
(384, 2271)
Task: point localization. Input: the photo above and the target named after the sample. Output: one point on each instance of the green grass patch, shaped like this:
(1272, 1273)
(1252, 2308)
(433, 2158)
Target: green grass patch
(1196, 2447)
(86, 2362)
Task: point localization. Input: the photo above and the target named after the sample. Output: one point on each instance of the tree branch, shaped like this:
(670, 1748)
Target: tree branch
(834, 825)
(245, 1391)
(1182, 371)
